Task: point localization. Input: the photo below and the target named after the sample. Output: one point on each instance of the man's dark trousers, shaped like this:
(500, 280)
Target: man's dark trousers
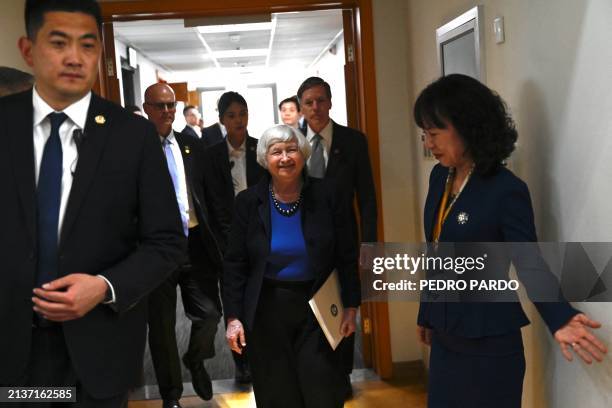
(200, 294)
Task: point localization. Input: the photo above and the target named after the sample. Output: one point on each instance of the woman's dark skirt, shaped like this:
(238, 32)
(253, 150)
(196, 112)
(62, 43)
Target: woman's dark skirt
(476, 373)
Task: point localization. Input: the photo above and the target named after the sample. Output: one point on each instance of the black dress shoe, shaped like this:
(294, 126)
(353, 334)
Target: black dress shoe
(243, 374)
(171, 404)
(200, 380)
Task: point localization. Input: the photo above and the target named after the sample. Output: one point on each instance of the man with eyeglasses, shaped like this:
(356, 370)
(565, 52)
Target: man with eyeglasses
(199, 272)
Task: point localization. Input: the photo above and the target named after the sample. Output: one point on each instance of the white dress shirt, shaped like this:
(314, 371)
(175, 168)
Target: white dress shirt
(326, 134)
(238, 169)
(196, 129)
(181, 195)
(77, 116)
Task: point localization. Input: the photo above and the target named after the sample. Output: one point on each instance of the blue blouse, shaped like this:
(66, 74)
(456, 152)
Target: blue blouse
(288, 259)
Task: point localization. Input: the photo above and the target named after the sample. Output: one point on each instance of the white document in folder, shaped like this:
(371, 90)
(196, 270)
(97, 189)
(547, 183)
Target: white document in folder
(327, 306)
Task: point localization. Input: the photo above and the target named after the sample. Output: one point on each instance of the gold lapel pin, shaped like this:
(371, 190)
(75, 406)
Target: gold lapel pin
(100, 120)
(187, 151)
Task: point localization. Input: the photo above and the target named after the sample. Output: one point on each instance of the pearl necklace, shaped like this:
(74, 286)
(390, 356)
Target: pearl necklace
(285, 212)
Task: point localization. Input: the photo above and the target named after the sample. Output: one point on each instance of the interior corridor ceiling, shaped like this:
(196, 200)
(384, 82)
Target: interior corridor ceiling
(294, 39)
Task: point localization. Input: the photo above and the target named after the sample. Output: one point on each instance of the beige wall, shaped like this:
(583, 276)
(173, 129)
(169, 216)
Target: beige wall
(555, 73)
(398, 156)
(13, 27)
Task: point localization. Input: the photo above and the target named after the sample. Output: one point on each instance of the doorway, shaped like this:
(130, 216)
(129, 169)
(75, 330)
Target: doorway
(360, 87)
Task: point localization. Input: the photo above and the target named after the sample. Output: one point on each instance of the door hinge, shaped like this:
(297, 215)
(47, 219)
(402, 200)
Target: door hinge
(110, 67)
(350, 53)
(367, 326)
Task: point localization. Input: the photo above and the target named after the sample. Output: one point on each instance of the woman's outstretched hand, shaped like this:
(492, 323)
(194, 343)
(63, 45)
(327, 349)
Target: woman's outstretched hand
(576, 335)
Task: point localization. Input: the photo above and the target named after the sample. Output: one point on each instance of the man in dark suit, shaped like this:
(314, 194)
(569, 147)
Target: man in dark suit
(192, 117)
(212, 134)
(220, 185)
(89, 220)
(230, 167)
(340, 154)
(198, 275)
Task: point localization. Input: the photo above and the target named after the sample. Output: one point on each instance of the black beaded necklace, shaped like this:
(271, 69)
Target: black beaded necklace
(285, 212)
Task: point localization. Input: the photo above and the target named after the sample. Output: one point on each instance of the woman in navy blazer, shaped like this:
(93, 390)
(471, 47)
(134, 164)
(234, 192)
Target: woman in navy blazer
(477, 357)
(288, 234)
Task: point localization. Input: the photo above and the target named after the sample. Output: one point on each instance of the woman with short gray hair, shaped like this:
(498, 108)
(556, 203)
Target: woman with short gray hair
(287, 237)
(281, 134)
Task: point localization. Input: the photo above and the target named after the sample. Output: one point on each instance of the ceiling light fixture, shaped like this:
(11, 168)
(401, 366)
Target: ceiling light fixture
(253, 52)
(234, 28)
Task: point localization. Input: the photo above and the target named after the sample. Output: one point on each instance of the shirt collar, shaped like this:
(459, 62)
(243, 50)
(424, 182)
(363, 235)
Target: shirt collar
(170, 138)
(237, 151)
(77, 112)
(325, 133)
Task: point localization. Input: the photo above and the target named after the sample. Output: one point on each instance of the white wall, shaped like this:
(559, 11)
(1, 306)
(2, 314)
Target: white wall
(146, 74)
(554, 71)
(331, 68)
(398, 157)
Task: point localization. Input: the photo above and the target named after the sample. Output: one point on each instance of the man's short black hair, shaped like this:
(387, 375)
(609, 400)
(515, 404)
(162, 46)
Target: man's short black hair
(13, 80)
(292, 99)
(311, 83)
(186, 109)
(35, 12)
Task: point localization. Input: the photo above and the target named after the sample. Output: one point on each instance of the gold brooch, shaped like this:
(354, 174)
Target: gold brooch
(187, 151)
(100, 120)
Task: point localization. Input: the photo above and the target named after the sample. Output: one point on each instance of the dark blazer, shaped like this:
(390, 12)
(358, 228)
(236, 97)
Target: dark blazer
(349, 165)
(188, 130)
(327, 234)
(121, 221)
(220, 187)
(211, 135)
(499, 210)
(193, 161)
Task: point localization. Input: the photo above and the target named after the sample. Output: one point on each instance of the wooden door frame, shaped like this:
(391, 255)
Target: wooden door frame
(367, 118)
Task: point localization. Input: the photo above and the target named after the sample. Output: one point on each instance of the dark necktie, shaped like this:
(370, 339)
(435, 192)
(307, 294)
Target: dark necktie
(48, 199)
(316, 166)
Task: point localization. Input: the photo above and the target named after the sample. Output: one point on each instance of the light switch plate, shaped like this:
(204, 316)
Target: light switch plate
(498, 29)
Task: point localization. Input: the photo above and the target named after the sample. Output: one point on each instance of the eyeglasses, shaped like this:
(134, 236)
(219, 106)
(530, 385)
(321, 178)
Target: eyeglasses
(162, 105)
